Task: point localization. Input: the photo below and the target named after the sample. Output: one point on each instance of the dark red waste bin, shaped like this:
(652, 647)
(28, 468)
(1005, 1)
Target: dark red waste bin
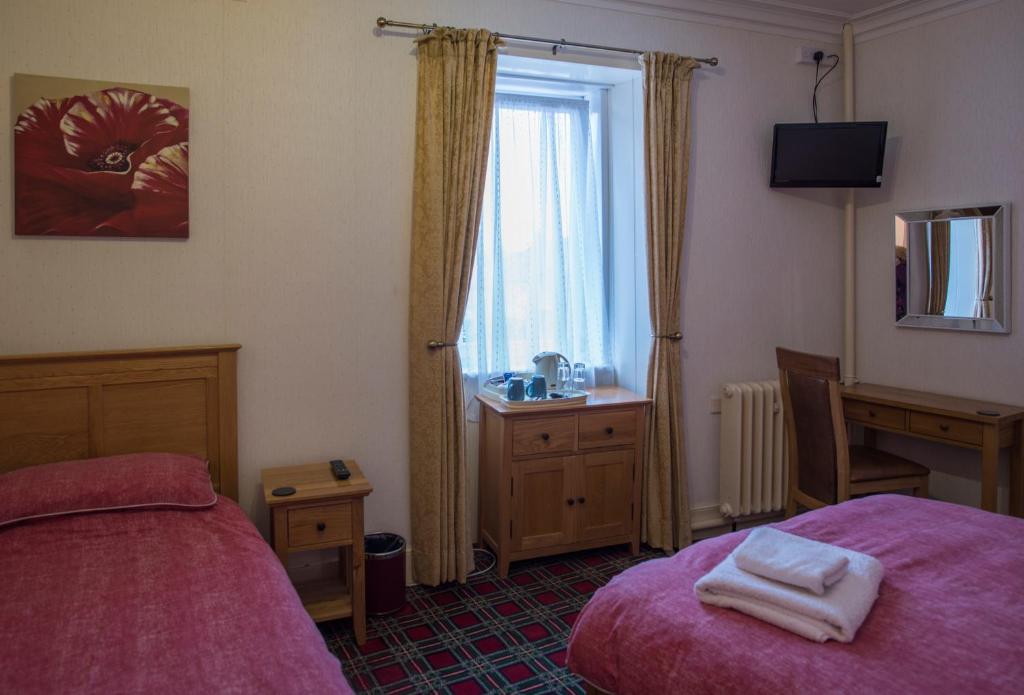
(385, 573)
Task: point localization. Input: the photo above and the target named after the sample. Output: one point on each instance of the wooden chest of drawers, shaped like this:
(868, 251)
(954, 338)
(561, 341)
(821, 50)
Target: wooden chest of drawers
(555, 480)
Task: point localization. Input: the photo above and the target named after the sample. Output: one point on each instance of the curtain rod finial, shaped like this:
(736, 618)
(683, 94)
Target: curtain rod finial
(382, 22)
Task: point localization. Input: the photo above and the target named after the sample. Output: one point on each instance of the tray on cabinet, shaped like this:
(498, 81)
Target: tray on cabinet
(569, 397)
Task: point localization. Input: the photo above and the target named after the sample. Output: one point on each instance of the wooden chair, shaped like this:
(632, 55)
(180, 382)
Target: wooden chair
(823, 468)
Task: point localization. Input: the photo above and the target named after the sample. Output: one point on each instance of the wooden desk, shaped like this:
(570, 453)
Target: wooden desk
(322, 513)
(949, 420)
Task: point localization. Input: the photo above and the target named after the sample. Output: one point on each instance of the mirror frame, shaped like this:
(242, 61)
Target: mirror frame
(1002, 250)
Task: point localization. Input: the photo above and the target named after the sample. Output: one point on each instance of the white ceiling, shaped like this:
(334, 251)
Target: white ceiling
(848, 8)
(820, 20)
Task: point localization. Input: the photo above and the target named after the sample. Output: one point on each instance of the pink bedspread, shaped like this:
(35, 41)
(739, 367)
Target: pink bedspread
(949, 617)
(153, 602)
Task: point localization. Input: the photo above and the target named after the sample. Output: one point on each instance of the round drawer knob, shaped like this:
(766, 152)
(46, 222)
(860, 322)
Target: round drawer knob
(944, 428)
(581, 500)
(570, 501)
(609, 431)
(321, 526)
(545, 436)
(871, 413)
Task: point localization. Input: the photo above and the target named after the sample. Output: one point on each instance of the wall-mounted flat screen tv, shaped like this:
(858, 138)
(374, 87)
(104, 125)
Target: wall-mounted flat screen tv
(828, 155)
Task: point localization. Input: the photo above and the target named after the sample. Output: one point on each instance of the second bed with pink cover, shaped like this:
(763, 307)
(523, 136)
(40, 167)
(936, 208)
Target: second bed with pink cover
(153, 601)
(949, 616)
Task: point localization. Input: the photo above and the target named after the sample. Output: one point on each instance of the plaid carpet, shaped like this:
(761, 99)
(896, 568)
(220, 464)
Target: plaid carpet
(490, 635)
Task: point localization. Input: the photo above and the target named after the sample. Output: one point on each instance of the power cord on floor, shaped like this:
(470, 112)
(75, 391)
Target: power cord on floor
(483, 562)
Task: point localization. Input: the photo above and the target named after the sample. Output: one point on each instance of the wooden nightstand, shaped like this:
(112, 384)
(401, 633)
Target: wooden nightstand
(323, 513)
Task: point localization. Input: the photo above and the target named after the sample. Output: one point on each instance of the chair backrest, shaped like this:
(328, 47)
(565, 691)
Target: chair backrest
(819, 458)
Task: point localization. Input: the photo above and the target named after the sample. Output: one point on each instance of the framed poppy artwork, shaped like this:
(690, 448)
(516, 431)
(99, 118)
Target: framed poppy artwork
(99, 159)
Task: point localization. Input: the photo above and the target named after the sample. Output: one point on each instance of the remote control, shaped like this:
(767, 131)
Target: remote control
(341, 472)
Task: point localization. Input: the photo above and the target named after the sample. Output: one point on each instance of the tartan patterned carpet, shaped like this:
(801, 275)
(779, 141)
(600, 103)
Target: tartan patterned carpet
(490, 635)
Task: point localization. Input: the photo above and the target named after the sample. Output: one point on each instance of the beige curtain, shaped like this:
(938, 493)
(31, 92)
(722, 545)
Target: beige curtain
(455, 98)
(665, 509)
(983, 303)
(938, 269)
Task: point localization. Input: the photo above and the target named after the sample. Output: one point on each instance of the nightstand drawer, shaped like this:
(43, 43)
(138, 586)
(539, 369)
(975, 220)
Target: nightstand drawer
(544, 435)
(951, 428)
(326, 523)
(607, 428)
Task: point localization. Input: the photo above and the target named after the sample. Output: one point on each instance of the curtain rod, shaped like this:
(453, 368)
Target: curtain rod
(555, 43)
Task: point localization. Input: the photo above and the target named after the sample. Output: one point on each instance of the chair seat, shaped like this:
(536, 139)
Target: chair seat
(867, 463)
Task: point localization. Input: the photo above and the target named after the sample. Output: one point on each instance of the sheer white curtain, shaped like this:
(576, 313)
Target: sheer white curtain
(538, 283)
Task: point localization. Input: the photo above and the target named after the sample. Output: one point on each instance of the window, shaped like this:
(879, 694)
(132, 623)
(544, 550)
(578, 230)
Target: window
(963, 268)
(539, 275)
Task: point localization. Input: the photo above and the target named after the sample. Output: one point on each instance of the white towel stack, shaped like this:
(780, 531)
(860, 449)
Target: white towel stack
(813, 589)
(792, 559)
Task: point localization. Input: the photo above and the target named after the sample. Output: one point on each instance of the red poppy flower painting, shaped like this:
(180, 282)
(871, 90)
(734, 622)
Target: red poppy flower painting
(100, 159)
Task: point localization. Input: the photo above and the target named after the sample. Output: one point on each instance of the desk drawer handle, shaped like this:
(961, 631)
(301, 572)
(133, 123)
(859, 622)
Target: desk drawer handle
(581, 500)
(871, 413)
(944, 428)
(545, 436)
(321, 526)
(609, 431)
(570, 501)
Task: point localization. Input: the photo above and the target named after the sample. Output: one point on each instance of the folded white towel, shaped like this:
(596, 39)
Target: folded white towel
(791, 559)
(836, 615)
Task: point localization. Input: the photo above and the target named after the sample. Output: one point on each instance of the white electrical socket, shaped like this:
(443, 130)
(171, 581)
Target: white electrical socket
(806, 55)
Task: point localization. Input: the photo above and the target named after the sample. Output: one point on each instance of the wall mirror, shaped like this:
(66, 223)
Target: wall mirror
(953, 268)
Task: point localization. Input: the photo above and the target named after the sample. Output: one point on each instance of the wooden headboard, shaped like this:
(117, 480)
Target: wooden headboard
(57, 407)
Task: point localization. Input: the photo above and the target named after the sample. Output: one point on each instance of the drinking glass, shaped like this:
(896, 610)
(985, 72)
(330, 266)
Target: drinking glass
(563, 375)
(579, 376)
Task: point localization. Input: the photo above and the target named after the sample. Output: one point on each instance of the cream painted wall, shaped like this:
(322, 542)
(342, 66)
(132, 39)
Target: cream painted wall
(952, 93)
(302, 132)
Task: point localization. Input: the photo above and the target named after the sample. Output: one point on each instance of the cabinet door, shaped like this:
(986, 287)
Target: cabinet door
(542, 492)
(604, 502)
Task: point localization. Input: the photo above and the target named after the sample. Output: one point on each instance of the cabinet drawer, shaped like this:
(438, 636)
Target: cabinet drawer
(327, 523)
(609, 428)
(544, 435)
(951, 428)
(873, 414)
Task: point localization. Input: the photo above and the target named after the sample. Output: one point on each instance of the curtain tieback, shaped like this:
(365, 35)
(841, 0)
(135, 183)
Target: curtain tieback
(670, 336)
(437, 344)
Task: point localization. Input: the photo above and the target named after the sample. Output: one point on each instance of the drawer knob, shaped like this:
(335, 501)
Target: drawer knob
(944, 428)
(545, 436)
(321, 526)
(609, 431)
(570, 501)
(871, 413)
(581, 500)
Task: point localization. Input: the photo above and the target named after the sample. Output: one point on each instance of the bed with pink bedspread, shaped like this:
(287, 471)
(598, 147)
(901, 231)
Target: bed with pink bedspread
(152, 600)
(949, 616)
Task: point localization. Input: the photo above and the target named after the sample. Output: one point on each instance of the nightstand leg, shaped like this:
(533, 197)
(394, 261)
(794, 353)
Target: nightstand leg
(358, 578)
(279, 532)
(345, 571)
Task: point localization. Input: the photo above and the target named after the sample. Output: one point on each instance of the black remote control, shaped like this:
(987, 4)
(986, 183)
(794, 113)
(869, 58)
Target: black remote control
(341, 472)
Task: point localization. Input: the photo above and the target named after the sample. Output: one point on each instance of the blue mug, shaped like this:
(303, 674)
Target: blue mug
(516, 389)
(538, 387)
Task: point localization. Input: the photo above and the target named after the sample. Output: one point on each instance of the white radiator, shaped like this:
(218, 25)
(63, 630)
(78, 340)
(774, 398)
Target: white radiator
(752, 456)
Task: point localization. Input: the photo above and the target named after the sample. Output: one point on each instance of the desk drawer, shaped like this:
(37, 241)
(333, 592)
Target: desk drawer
(608, 428)
(951, 428)
(326, 523)
(544, 435)
(871, 414)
